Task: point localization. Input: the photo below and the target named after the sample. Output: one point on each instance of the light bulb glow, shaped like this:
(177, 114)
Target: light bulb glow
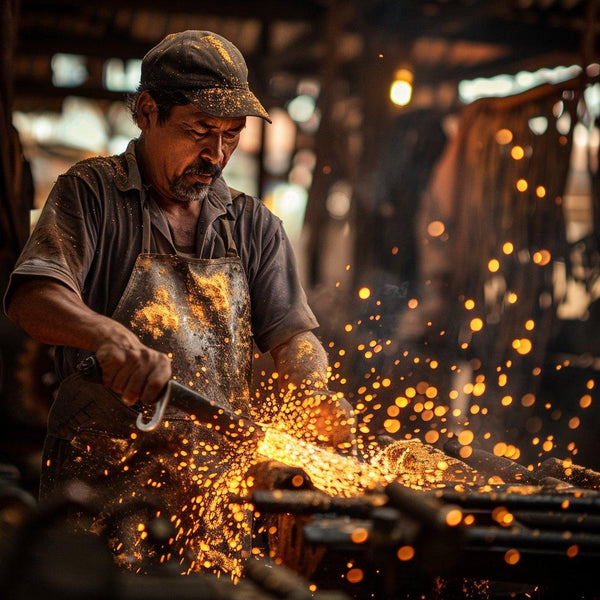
(401, 88)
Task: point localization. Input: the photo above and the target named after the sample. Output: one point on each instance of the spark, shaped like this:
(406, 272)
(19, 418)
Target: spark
(405, 553)
(517, 152)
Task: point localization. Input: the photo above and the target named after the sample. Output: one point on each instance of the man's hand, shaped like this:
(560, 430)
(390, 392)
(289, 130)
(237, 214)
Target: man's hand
(54, 314)
(331, 420)
(135, 372)
(319, 415)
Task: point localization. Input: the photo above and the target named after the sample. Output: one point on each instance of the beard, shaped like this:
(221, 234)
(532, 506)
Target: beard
(194, 192)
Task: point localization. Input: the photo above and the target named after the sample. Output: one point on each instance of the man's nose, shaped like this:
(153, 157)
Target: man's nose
(212, 149)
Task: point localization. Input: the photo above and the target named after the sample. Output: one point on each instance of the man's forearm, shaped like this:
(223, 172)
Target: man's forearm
(301, 362)
(53, 314)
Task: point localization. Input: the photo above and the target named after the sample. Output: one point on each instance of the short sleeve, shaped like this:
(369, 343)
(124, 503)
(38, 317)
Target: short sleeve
(62, 244)
(279, 306)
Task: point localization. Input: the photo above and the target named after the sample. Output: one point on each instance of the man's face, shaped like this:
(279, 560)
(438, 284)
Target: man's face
(186, 153)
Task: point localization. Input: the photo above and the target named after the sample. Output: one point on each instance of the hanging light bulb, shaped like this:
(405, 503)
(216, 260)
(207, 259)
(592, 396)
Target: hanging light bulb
(401, 88)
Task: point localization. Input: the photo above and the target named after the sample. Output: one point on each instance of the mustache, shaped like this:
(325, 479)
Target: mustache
(203, 167)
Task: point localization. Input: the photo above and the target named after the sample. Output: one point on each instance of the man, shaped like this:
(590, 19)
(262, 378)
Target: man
(151, 262)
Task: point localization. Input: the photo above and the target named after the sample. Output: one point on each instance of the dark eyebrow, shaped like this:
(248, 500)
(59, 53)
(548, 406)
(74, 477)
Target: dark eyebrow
(205, 125)
(237, 129)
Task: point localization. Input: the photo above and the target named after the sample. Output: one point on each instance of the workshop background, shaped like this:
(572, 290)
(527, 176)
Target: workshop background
(435, 163)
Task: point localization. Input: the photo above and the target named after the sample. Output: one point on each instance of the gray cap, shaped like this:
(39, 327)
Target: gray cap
(208, 69)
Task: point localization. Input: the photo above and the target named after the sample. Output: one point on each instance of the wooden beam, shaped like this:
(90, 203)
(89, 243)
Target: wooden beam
(26, 89)
(509, 65)
(518, 34)
(266, 10)
(34, 43)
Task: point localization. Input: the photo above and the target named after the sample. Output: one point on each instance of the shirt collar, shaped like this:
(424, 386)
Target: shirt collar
(130, 178)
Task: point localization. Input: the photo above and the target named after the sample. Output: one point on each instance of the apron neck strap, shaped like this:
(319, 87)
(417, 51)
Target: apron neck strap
(146, 224)
(231, 247)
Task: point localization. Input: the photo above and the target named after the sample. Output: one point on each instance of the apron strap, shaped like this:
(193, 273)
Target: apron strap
(146, 225)
(231, 247)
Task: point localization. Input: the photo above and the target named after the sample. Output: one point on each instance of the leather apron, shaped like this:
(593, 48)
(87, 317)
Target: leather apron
(198, 312)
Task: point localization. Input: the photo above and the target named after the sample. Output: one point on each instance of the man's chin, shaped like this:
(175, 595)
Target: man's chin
(191, 193)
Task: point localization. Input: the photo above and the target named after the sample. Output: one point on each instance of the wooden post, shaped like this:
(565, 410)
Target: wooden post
(329, 166)
(13, 219)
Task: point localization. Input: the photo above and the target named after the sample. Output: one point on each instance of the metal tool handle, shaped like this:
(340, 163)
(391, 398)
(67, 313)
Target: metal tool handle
(90, 369)
(159, 412)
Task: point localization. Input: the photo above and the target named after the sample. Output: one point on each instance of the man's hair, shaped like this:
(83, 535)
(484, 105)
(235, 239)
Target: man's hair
(165, 100)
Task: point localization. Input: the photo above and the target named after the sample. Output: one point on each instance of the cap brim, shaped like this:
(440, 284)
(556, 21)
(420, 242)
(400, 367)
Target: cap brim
(227, 103)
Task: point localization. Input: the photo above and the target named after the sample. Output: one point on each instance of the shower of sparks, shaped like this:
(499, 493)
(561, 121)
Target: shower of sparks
(329, 472)
(220, 500)
(420, 398)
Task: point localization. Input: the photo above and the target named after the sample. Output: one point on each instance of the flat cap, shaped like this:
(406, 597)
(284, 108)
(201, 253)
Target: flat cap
(208, 69)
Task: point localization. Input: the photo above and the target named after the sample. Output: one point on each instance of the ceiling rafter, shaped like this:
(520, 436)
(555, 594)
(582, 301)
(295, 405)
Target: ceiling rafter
(267, 10)
(284, 37)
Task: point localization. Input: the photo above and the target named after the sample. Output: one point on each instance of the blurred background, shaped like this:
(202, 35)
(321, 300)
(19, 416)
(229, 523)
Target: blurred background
(435, 163)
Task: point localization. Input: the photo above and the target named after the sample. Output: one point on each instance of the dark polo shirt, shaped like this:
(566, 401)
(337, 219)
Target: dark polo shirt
(90, 234)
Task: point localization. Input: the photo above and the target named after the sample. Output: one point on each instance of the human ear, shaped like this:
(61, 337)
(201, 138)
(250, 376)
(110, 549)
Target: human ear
(146, 108)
